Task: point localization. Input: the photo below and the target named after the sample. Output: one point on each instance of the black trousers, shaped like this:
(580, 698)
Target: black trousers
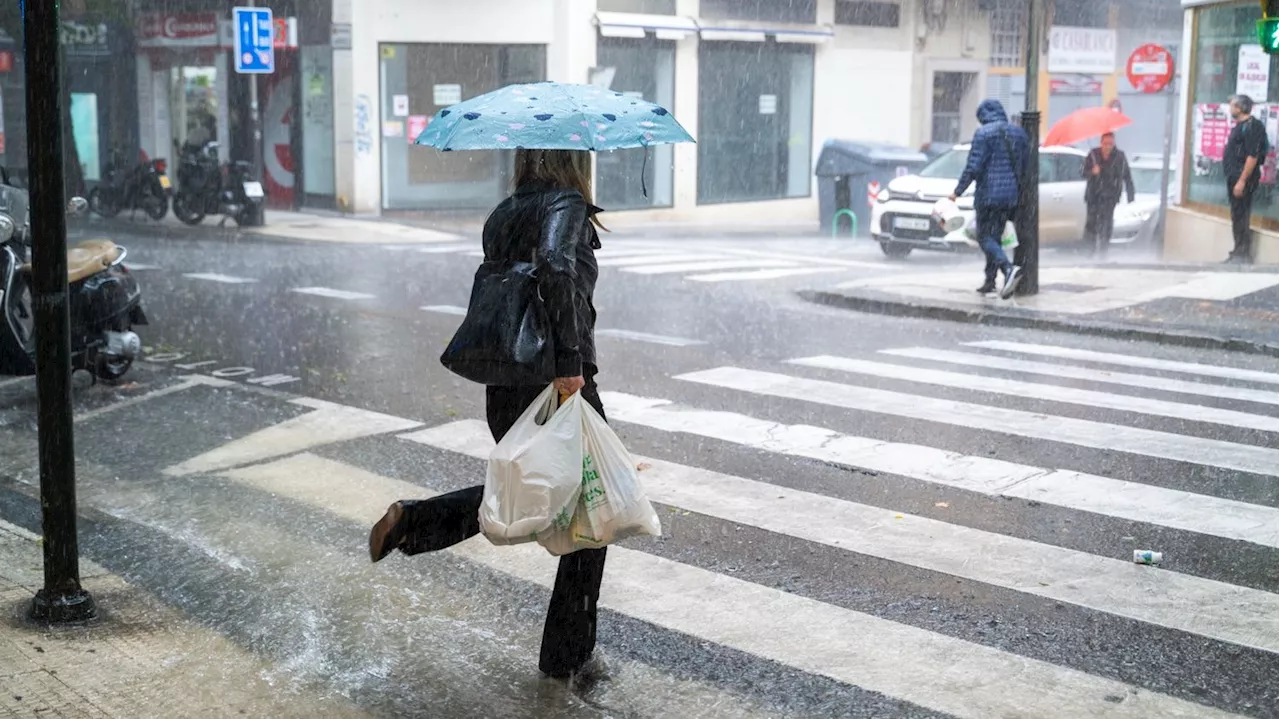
(1241, 209)
(569, 634)
(1099, 224)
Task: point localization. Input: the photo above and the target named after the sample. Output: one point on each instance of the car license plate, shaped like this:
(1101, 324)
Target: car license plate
(253, 190)
(164, 181)
(911, 223)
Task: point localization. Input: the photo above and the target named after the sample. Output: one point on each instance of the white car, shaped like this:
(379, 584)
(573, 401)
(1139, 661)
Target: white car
(1130, 218)
(901, 217)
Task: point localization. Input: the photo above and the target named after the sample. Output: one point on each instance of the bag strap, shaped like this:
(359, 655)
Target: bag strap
(1008, 148)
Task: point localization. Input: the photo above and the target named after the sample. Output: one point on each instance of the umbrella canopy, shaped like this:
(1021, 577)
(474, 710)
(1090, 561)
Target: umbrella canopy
(552, 116)
(1085, 124)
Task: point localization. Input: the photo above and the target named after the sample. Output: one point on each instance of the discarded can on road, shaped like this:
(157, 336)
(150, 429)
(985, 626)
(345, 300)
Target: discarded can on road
(1146, 556)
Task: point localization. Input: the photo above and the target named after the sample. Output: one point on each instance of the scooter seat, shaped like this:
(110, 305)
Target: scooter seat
(87, 258)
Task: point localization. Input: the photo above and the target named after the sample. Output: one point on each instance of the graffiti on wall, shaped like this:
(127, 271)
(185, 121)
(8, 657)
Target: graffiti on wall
(364, 126)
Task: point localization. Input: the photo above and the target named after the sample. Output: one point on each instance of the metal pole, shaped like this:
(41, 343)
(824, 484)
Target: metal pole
(1170, 108)
(255, 122)
(1027, 256)
(61, 599)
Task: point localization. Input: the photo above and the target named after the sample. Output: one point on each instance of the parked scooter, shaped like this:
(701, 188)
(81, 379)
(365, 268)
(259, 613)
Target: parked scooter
(105, 300)
(204, 188)
(144, 186)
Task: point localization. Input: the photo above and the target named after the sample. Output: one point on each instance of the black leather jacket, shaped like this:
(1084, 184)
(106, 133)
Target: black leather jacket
(551, 227)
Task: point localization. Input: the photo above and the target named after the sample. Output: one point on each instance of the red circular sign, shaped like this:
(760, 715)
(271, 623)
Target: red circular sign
(1150, 68)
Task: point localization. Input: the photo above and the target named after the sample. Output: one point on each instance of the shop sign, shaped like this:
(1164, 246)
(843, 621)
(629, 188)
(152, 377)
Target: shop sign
(1253, 73)
(195, 29)
(1075, 85)
(85, 38)
(340, 36)
(1150, 68)
(6, 61)
(768, 104)
(1084, 50)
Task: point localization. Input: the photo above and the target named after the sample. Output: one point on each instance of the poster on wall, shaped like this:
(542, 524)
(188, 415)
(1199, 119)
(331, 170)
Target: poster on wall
(277, 133)
(400, 105)
(1270, 116)
(416, 124)
(1253, 73)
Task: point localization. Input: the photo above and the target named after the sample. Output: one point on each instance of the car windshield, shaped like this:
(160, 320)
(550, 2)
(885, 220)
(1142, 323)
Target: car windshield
(948, 165)
(1146, 180)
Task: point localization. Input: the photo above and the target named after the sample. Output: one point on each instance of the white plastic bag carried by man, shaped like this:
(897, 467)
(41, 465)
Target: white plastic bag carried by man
(969, 236)
(562, 478)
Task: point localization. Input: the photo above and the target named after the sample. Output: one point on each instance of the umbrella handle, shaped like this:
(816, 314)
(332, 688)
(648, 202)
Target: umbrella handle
(644, 166)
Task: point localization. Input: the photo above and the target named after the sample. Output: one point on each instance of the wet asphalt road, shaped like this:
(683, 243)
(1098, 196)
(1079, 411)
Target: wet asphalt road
(276, 560)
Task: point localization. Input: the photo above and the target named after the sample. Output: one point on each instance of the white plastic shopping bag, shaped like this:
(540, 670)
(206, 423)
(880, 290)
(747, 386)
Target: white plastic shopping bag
(969, 235)
(947, 214)
(612, 504)
(535, 475)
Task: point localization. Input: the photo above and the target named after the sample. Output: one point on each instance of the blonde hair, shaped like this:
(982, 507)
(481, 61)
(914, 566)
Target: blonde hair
(558, 168)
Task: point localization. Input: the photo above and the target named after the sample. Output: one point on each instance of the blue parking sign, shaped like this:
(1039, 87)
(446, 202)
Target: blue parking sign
(255, 36)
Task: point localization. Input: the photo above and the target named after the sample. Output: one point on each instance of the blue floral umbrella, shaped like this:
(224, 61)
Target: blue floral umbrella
(552, 116)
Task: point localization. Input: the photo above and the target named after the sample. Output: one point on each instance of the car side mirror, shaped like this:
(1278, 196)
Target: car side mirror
(77, 206)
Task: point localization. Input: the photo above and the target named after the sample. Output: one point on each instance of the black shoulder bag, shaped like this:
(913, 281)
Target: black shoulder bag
(505, 339)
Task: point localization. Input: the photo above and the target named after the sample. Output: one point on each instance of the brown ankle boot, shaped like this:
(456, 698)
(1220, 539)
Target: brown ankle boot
(387, 533)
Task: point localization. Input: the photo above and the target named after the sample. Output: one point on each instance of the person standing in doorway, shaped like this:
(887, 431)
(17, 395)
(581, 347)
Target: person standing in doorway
(997, 164)
(1106, 169)
(1242, 164)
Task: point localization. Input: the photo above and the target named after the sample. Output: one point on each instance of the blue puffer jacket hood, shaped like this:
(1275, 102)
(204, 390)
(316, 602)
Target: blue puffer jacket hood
(992, 111)
(997, 159)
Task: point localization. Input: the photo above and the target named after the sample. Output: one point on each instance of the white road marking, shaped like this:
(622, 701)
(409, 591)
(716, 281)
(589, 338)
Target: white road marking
(15, 380)
(948, 675)
(1069, 430)
(1164, 384)
(646, 337)
(822, 260)
(215, 277)
(138, 266)
(330, 423)
(760, 274)
(330, 292)
(444, 249)
(187, 383)
(650, 259)
(445, 309)
(617, 252)
(1060, 487)
(705, 266)
(1218, 286)
(1178, 601)
(1130, 361)
(1047, 392)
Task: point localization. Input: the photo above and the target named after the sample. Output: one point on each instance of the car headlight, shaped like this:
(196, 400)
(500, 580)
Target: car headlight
(6, 228)
(883, 196)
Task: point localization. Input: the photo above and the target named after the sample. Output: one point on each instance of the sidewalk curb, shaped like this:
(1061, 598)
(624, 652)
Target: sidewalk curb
(1014, 318)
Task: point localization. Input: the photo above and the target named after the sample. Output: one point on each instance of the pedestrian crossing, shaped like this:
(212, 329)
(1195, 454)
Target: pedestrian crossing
(1180, 453)
(706, 262)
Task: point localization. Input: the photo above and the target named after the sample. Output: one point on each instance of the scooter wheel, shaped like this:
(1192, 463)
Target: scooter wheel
(111, 369)
(103, 204)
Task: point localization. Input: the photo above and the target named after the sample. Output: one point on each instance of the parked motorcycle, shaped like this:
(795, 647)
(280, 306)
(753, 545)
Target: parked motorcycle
(144, 186)
(205, 188)
(105, 300)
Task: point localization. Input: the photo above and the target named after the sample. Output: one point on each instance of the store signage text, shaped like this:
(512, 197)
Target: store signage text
(1083, 50)
(178, 29)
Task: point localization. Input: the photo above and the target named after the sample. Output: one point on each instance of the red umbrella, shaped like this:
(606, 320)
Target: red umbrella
(1085, 124)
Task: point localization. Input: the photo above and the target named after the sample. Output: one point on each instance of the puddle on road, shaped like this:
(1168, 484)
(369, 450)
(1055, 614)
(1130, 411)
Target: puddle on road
(427, 636)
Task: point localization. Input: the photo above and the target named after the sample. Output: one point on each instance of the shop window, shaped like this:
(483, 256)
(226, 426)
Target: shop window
(649, 7)
(84, 125)
(755, 112)
(1221, 32)
(647, 69)
(792, 11)
(868, 14)
(417, 81)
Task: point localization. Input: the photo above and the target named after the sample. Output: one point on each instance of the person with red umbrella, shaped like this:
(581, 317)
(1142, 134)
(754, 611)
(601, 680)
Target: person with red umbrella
(1106, 169)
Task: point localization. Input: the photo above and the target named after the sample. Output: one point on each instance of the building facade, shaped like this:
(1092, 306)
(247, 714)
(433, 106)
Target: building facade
(761, 84)
(1224, 59)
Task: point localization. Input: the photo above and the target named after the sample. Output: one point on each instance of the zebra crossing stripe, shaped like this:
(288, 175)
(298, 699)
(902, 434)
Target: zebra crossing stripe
(707, 266)
(651, 259)
(1163, 384)
(945, 674)
(760, 274)
(1190, 604)
(1047, 392)
(1130, 361)
(1051, 428)
(1083, 492)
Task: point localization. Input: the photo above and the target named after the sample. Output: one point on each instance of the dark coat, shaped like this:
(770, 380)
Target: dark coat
(1104, 188)
(551, 227)
(990, 164)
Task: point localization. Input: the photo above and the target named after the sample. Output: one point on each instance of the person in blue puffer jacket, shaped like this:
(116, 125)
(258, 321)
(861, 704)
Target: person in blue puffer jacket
(997, 163)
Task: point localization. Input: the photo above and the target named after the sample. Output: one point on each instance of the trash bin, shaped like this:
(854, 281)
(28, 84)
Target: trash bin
(850, 173)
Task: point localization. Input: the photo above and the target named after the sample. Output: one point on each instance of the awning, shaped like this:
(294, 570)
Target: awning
(626, 24)
(725, 30)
